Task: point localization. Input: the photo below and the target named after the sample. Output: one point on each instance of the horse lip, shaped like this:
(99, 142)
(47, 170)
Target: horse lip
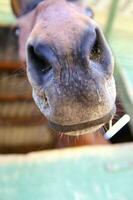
(66, 129)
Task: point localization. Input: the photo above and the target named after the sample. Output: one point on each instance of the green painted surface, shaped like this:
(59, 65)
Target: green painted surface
(103, 173)
(122, 46)
(6, 15)
(123, 50)
(121, 40)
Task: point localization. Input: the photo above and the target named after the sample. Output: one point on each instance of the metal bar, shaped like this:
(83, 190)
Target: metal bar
(111, 17)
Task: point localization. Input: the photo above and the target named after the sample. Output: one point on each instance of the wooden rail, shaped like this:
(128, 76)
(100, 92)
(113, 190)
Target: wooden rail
(9, 65)
(13, 98)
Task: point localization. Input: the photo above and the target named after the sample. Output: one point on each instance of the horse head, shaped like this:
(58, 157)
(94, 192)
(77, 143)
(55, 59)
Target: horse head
(69, 64)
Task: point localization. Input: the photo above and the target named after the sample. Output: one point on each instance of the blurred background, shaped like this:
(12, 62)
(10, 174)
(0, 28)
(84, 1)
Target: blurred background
(22, 126)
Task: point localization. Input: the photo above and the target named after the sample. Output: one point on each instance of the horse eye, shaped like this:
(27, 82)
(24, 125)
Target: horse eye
(16, 31)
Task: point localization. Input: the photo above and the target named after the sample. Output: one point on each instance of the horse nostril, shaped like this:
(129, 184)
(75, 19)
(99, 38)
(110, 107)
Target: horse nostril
(101, 54)
(37, 61)
(96, 53)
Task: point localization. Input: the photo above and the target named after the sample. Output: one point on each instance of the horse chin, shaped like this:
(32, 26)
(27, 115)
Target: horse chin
(91, 130)
(88, 127)
(79, 129)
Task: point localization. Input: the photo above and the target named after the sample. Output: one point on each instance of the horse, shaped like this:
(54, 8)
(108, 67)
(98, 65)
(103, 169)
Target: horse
(70, 67)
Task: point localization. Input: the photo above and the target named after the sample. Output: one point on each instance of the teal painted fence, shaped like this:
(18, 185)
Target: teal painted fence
(94, 173)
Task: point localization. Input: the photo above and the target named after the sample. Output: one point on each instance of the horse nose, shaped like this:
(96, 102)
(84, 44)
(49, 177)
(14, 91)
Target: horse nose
(40, 60)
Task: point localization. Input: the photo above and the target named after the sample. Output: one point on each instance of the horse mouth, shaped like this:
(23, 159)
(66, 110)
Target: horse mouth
(83, 128)
(42, 100)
